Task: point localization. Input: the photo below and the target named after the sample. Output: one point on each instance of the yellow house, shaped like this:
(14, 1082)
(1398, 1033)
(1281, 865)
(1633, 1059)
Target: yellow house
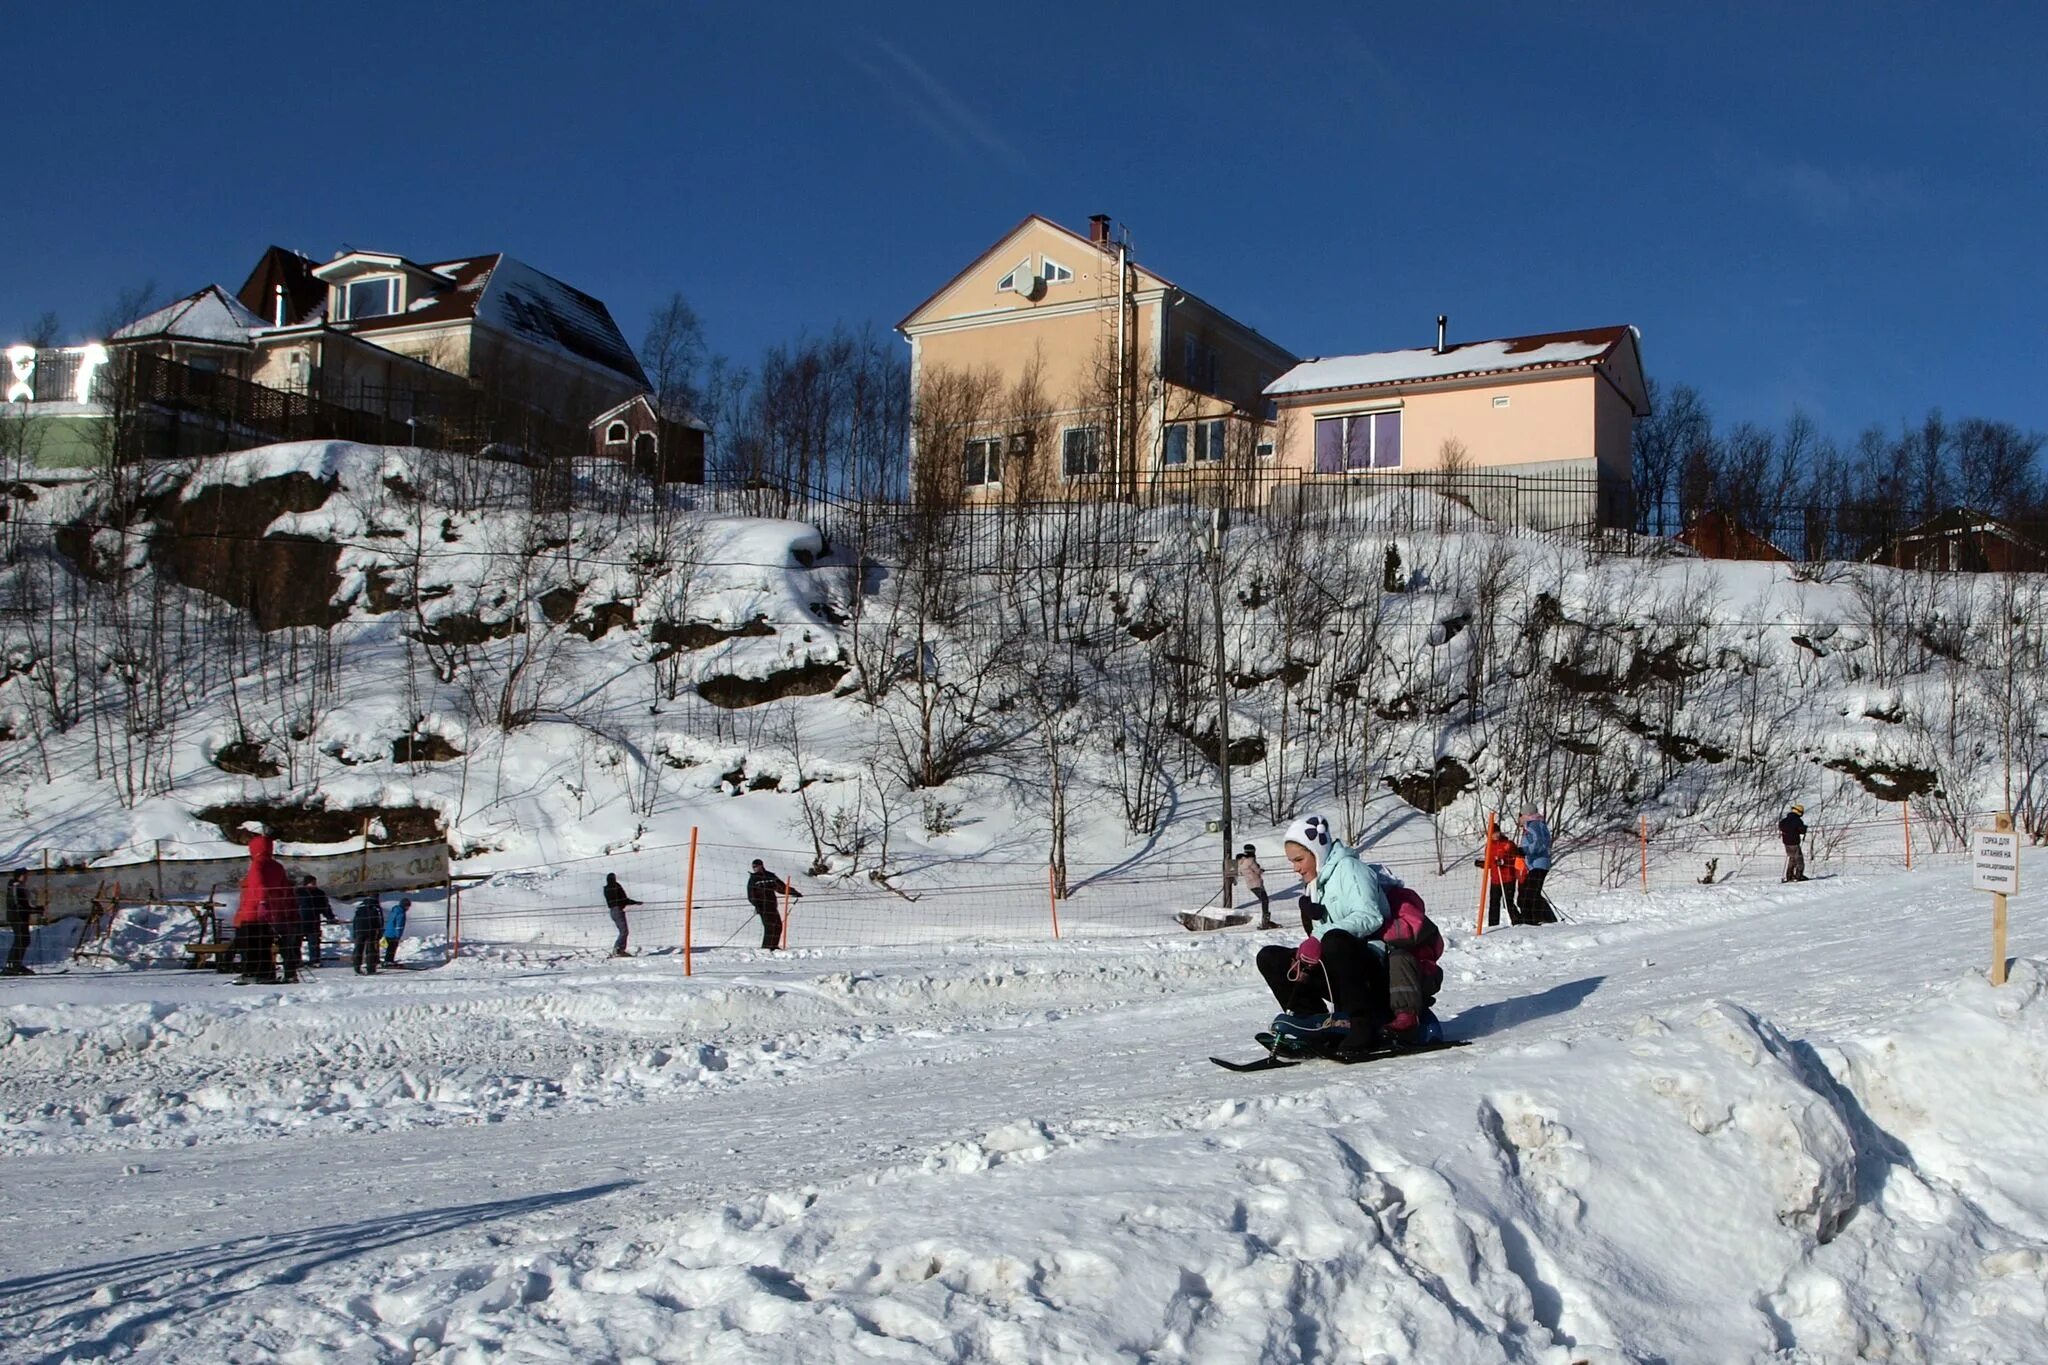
(1054, 365)
(1561, 404)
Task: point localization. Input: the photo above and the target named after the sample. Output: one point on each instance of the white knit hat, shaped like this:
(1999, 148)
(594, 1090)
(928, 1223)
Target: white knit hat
(1313, 833)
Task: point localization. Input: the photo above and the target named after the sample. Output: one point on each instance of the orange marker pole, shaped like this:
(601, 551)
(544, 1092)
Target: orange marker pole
(788, 885)
(1052, 896)
(689, 900)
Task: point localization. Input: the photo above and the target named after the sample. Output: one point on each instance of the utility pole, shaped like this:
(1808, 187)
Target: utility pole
(1217, 528)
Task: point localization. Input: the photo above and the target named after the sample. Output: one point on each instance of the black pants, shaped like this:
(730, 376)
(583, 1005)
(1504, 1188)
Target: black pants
(287, 938)
(17, 952)
(390, 952)
(309, 934)
(771, 926)
(255, 951)
(1352, 979)
(619, 918)
(1502, 892)
(1536, 907)
(1265, 904)
(365, 956)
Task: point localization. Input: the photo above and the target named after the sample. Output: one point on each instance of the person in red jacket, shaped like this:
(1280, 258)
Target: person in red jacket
(267, 919)
(1501, 878)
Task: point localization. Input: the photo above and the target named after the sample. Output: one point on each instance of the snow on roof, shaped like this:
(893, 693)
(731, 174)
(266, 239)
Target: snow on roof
(1504, 355)
(544, 310)
(212, 314)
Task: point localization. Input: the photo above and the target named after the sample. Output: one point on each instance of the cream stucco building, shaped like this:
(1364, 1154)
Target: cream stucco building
(1055, 365)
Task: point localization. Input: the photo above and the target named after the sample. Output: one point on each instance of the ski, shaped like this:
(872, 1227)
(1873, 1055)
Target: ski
(1271, 1063)
(1275, 1061)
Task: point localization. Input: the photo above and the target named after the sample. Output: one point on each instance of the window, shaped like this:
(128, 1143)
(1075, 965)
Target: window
(1055, 273)
(1008, 283)
(1500, 400)
(615, 434)
(983, 465)
(1080, 452)
(1203, 440)
(372, 298)
(1366, 440)
(1265, 450)
(1197, 364)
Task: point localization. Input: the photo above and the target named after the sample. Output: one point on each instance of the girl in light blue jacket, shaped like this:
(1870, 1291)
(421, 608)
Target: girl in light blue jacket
(1343, 911)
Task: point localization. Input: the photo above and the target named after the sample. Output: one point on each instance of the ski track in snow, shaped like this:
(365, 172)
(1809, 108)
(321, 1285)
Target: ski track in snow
(1738, 1123)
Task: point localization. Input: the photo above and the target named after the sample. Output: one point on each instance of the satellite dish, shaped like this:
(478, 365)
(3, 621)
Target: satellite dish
(1029, 285)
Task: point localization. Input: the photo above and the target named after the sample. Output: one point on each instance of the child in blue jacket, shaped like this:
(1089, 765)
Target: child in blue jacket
(394, 930)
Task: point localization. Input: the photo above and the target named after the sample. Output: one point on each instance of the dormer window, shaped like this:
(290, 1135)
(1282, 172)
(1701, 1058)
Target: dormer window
(371, 298)
(1055, 273)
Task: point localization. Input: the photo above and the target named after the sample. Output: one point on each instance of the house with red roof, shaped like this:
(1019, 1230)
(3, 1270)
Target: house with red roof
(1557, 407)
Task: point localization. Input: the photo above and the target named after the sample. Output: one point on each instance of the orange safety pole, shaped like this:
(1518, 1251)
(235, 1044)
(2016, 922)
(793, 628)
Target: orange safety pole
(689, 900)
(788, 885)
(1052, 894)
(1643, 839)
(1906, 811)
(1485, 873)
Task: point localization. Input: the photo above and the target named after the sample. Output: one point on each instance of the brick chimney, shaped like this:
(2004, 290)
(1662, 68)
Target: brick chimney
(1098, 229)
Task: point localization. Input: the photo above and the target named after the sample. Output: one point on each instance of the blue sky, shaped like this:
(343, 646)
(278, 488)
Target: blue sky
(1837, 208)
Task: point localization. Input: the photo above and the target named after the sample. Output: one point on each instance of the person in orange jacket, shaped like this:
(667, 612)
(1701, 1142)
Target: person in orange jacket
(1502, 878)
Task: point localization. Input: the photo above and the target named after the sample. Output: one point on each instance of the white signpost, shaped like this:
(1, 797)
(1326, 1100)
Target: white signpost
(1995, 867)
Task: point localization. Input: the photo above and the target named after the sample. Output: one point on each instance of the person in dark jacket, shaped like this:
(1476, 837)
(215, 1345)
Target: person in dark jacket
(314, 909)
(615, 902)
(21, 912)
(366, 926)
(1792, 829)
(764, 891)
(394, 930)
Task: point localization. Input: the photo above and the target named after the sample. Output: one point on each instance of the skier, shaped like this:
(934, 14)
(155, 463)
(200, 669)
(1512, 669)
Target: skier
(314, 908)
(1536, 907)
(616, 900)
(1346, 908)
(21, 912)
(763, 888)
(1499, 862)
(1254, 878)
(1792, 829)
(268, 911)
(366, 925)
(394, 930)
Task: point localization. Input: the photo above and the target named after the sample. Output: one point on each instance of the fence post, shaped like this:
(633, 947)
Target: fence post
(363, 859)
(689, 900)
(158, 893)
(1485, 872)
(1906, 813)
(1052, 897)
(788, 886)
(452, 916)
(1643, 842)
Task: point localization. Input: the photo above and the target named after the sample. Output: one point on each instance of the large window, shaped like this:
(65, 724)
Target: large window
(1200, 441)
(1080, 452)
(1055, 273)
(372, 298)
(1365, 440)
(982, 467)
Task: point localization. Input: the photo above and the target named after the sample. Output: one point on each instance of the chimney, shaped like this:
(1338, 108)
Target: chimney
(1098, 229)
(280, 305)
(1440, 321)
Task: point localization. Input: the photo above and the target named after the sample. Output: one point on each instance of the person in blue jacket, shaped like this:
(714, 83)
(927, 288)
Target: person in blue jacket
(1536, 907)
(394, 930)
(1343, 909)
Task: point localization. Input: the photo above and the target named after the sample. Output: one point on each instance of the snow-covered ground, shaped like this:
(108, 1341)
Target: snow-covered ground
(1743, 1122)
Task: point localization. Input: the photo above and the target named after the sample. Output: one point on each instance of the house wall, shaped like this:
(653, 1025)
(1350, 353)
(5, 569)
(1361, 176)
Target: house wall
(1549, 424)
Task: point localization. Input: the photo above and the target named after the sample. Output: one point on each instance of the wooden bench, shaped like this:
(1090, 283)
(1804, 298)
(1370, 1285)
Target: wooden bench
(207, 954)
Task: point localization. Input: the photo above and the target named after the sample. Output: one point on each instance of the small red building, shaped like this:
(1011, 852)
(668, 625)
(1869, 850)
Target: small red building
(659, 448)
(1964, 540)
(1717, 535)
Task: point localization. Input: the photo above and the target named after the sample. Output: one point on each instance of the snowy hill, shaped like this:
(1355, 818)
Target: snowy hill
(1718, 1123)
